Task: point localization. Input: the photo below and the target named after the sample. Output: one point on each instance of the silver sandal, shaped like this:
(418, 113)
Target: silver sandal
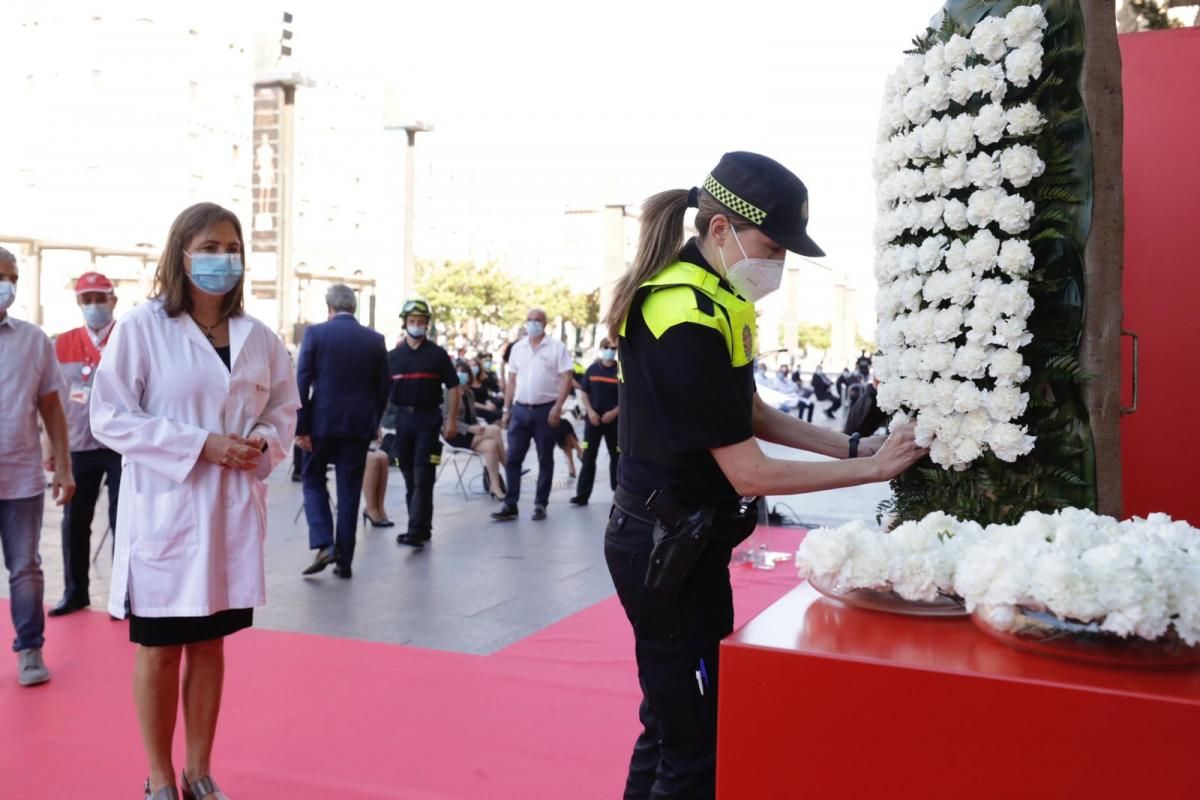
(165, 793)
(204, 788)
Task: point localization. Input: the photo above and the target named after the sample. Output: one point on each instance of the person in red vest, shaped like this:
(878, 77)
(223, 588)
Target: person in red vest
(79, 351)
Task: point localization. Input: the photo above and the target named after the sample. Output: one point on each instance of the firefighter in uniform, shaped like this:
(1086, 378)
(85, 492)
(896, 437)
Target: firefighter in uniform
(419, 369)
(689, 419)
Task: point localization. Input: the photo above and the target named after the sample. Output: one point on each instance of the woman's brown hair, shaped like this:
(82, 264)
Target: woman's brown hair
(659, 242)
(171, 280)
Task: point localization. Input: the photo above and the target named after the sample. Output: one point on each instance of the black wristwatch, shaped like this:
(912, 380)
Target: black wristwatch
(854, 437)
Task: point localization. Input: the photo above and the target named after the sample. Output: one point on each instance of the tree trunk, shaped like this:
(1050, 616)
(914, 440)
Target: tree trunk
(1100, 351)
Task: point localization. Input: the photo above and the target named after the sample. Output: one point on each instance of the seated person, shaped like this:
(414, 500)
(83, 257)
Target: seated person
(472, 433)
(375, 482)
(568, 440)
(486, 407)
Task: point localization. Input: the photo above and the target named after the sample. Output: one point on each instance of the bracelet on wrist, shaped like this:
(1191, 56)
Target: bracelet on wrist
(854, 439)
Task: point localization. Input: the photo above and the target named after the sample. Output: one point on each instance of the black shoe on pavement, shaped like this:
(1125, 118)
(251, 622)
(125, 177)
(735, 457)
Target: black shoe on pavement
(539, 513)
(505, 514)
(575, 501)
(411, 540)
(325, 557)
(343, 571)
(68, 607)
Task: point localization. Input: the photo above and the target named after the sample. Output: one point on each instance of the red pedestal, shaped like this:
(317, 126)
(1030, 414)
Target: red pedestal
(821, 700)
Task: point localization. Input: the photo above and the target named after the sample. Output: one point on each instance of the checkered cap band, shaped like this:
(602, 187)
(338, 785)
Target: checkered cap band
(733, 202)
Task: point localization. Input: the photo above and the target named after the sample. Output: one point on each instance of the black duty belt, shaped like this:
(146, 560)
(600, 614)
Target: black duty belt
(534, 405)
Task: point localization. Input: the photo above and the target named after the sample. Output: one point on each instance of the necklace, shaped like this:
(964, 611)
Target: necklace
(208, 329)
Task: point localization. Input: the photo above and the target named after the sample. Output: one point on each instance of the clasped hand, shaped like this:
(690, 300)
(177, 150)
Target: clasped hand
(233, 451)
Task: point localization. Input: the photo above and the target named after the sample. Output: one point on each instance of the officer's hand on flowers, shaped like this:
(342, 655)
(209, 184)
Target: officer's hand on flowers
(870, 446)
(899, 452)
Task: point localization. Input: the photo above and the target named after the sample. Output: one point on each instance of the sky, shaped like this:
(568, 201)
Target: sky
(553, 105)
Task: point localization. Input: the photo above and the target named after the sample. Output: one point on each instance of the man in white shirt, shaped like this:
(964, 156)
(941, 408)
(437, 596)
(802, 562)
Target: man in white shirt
(30, 384)
(539, 380)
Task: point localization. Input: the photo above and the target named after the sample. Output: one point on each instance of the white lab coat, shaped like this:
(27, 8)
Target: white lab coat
(189, 539)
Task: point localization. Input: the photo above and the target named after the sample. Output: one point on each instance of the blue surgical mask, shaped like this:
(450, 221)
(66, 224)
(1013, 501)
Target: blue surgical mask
(96, 315)
(216, 273)
(488, 366)
(474, 369)
(463, 378)
(534, 327)
(608, 355)
(416, 331)
(8, 293)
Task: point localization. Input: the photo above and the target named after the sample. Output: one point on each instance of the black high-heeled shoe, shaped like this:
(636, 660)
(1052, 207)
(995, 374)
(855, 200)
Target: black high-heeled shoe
(382, 523)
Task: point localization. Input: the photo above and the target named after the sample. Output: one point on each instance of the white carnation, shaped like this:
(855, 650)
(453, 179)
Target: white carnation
(936, 359)
(915, 108)
(967, 398)
(1005, 403)
(983, 171)
(910, 362)
(1024, 24)
(1012, 212)
(981, 206)
(910, 292)
(822, 552)
(933, 181)
(960, 286)
(910, 183)
(959, 86)
(970, 362)
(947, 325)
(956, 254)
(913, 71)
(1024, 64)
(955, 215)
(1016, 257)
(920, 327)
(933, 138)
(1007, 367)
(982, 251)
(960, 134)
(931, 214)
(954, 172)
(935, 61)
(1011, 333)
(990, 123)
(957, 50)
(908, 258)
(987, 38)
(1020, 164)
(1015, 300)
(930, 253)
(936, 93)
(1024, 119)
(1008, 441)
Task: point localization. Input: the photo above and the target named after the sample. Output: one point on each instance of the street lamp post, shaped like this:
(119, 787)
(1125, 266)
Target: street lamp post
(411, 129)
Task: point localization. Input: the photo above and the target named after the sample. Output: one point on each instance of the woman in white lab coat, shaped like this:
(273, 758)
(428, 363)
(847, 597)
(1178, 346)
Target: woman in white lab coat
(200, 399)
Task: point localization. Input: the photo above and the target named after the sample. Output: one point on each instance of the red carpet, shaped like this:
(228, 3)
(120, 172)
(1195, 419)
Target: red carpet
(309, 717)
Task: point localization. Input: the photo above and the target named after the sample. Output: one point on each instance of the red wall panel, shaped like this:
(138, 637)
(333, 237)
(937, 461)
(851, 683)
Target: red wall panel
(1162, 269)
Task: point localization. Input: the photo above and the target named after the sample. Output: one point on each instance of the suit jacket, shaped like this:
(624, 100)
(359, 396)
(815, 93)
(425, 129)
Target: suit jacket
(342, 372)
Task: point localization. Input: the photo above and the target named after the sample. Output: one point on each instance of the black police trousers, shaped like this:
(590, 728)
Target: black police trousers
(593, 435)
(676, 642)
(89, 468)
(417, 434)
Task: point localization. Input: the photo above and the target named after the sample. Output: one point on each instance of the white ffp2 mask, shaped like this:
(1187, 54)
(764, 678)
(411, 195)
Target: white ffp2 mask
(753, 278)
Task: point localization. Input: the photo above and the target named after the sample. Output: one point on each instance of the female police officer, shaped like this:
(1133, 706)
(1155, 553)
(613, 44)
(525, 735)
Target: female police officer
(689, 417)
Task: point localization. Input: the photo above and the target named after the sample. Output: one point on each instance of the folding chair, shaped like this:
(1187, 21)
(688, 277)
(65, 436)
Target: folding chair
(455, 456)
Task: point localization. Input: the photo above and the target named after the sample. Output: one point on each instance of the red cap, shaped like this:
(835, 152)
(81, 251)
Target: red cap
(93, 282)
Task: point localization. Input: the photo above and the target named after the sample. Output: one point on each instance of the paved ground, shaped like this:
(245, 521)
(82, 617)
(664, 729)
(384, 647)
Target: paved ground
(479, 587)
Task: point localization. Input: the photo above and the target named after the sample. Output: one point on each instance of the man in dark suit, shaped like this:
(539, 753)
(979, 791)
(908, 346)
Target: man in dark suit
(343, 378)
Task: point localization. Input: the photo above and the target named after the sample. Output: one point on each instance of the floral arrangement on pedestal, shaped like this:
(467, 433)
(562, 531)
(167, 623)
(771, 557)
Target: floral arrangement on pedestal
(1073, 581)
(984, 185)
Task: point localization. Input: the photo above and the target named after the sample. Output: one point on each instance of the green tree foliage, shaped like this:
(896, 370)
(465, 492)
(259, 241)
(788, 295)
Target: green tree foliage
(1153, 15)
(463, 292)
(818, 337)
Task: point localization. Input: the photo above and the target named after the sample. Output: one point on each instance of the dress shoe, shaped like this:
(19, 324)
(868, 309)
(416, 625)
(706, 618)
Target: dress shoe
(576, 501)
(343, 571)
(68, 607)
(411, 540)
(377, 523)
(539, 513)
(31, 669)
(505, 514)
(325, 557)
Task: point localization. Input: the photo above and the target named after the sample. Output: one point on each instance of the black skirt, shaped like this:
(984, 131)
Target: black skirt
(173, 631)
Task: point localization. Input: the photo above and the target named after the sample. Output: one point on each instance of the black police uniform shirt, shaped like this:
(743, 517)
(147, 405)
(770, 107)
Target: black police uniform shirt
(419, 375)
(600, 383)
(681, 397)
